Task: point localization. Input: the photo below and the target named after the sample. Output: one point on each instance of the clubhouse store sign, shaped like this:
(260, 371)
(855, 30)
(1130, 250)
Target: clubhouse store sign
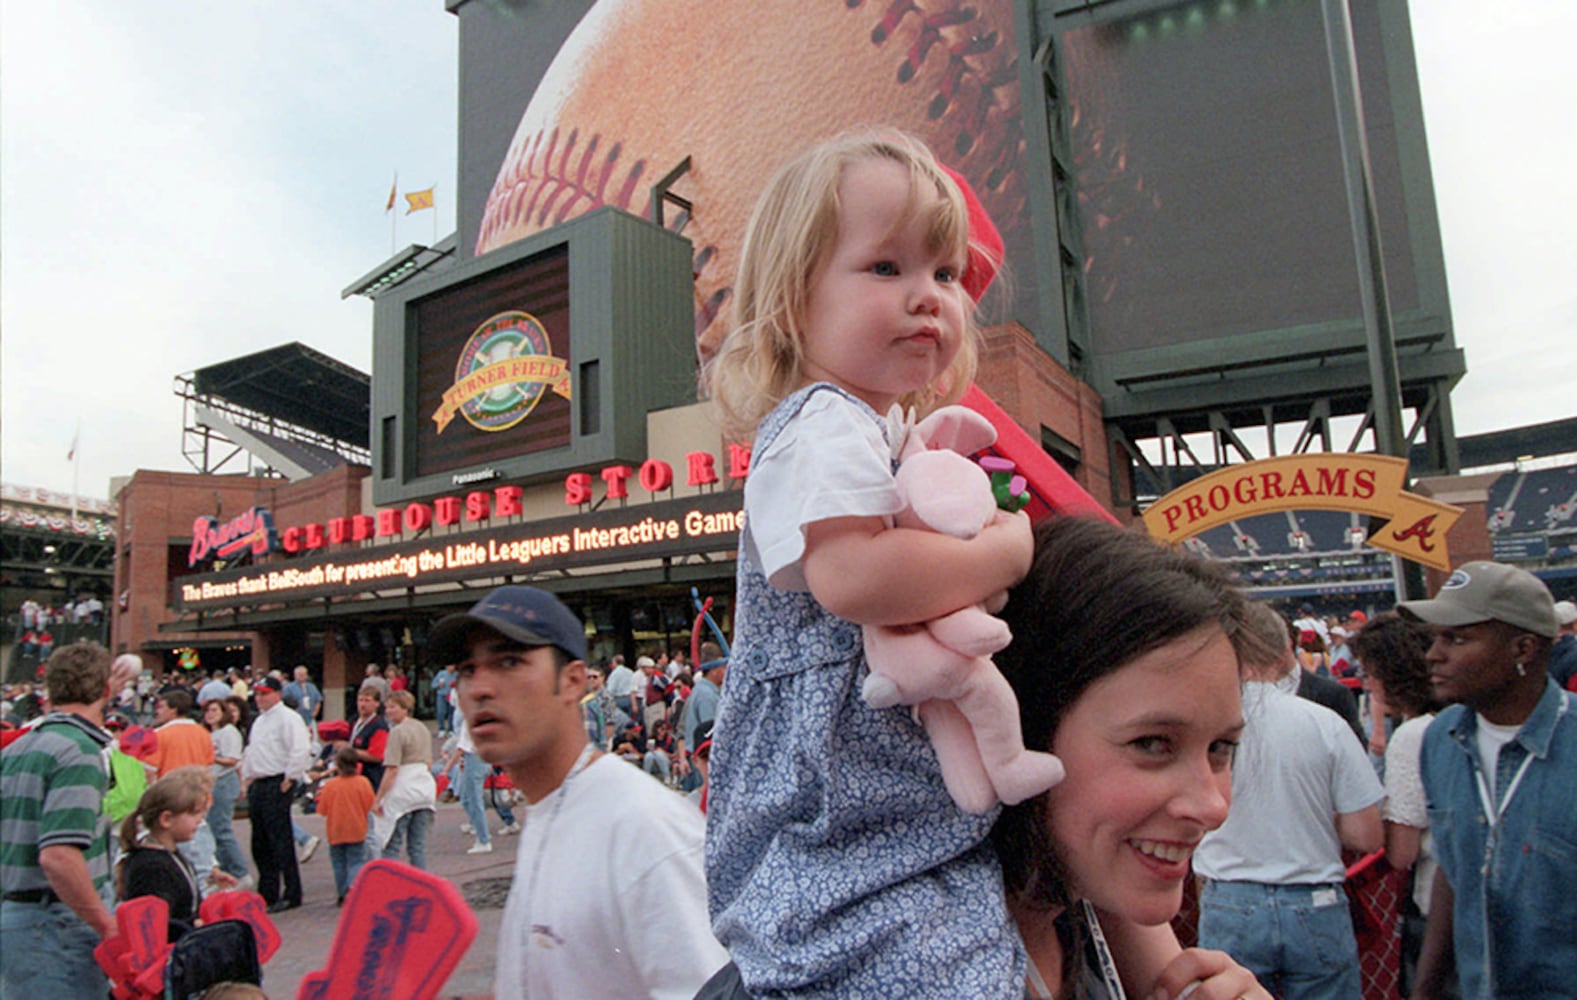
(706, 523)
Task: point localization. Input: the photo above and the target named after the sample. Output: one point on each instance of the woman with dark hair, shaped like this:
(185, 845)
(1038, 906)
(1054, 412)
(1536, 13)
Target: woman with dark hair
(225, 769)
(1392, 650)
(239, 715)
(1125, 660)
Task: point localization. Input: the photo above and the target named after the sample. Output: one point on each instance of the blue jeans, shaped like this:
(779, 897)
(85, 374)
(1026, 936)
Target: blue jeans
(473, 772)
(199, 851)
(47, 951)
(347, 860)
(414, 824)
(445, 715)
(221, 821)
(657, 765)
(691, 780)
(505, 812)
(1296, 939)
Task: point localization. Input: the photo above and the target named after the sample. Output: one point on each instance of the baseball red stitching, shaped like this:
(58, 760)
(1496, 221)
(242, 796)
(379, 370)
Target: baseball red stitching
(549, 177)
(569, 188)
(959, 54)
(557, 184)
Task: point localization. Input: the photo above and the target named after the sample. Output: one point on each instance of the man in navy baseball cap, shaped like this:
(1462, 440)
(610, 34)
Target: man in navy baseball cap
(527, 615)
(520, 656)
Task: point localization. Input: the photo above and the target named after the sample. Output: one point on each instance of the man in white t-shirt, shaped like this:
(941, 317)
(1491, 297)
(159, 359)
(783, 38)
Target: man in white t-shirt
(1302, 790)
(1307, 619)
(601, 905)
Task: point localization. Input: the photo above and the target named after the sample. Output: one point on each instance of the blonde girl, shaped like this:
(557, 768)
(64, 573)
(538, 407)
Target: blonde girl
(151, 863)
(837, 863)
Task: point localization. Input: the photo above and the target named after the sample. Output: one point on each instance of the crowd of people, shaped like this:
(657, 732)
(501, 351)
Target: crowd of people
(1221, 771)
(35, 625)
(751, 825)
(83, 609)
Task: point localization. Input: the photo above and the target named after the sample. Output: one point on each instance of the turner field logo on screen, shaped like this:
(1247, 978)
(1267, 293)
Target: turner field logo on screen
(503, 370)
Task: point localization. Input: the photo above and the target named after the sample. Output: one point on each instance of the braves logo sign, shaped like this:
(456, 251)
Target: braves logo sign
(251, 531)
(504, 368)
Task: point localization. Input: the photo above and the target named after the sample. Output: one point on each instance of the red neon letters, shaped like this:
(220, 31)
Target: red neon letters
(654, 476)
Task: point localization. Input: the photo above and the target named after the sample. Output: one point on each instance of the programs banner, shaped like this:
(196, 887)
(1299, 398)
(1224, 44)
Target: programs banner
(1367, 484)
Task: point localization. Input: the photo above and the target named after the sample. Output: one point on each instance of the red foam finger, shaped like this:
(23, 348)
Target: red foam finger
(145, 924)
(150, 981)
(112, 954)
(248, 906)
(401, 933)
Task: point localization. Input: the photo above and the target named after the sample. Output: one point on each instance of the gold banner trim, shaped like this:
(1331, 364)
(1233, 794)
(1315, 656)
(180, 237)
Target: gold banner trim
(1365, 484)
(539, 368)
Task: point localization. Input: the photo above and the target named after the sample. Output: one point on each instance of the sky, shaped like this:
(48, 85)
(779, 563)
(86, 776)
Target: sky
(183, 184)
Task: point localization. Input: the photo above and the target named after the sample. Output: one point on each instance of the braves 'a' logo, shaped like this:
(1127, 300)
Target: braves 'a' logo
(1422, 529)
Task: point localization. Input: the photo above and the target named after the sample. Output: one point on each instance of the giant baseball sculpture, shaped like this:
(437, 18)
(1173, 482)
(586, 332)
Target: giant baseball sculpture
(740, 85)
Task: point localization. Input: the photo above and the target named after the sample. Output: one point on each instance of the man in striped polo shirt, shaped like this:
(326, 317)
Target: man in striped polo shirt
(54, 836)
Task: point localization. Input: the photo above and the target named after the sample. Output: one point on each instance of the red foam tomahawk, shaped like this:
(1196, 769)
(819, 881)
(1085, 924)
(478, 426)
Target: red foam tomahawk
(1051, 490)
(135, 958)
(247, 906)
(400, 935)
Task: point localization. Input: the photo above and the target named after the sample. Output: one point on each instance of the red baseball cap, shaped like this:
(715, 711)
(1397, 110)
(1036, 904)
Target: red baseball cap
(985, 242)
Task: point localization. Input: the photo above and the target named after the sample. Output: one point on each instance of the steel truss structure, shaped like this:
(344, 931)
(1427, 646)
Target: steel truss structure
(1176, 409)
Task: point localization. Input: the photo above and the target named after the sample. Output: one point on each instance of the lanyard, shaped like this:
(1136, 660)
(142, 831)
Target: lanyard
(1037, 984)
(1103, 956)
(1487, 801)
(530, 928)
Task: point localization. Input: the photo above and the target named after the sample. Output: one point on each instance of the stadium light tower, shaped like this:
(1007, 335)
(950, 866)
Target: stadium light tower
(1384, 372)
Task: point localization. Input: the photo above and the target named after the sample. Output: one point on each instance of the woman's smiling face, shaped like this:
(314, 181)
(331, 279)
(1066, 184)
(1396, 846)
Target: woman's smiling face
(1148, 750)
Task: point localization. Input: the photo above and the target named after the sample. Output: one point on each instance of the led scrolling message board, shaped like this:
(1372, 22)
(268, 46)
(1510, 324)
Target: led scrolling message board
(707, 523)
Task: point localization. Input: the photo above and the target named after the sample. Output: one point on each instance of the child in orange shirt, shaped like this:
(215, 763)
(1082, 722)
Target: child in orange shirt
(343, 802)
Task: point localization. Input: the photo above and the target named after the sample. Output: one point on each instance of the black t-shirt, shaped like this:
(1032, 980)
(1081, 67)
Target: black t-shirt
(154, 871)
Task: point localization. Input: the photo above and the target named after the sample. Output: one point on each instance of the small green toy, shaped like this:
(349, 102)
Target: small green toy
(1009, 489)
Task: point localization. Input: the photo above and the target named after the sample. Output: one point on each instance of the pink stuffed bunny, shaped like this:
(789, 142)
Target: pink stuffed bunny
(944, 666)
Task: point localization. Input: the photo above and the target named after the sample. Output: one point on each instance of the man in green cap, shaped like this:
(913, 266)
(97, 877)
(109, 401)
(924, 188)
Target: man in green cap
(1500, 778)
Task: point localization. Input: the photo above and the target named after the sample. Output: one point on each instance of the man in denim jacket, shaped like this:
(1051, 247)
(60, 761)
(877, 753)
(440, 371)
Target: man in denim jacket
(1500, 777)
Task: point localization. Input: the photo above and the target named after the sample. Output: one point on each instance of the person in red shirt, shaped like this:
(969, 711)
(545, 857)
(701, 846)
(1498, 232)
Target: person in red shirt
(370, 732)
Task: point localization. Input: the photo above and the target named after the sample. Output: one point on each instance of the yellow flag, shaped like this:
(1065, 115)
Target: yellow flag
(418, 200)
(392, 188)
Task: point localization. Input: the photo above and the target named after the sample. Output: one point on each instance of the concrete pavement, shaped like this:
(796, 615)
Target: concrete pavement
(308, 931)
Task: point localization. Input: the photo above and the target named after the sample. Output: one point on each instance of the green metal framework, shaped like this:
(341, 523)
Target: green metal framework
(1173, 410)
